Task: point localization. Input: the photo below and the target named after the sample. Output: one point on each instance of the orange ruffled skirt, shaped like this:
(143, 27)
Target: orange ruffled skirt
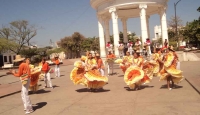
(133, 76)
(90, 79)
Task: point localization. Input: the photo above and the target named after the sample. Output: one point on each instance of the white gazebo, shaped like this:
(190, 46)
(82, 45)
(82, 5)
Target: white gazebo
(124, 9)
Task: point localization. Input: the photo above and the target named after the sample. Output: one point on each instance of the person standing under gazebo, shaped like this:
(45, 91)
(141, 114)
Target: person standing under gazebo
(130, 47)
(24, 73)
(148, 43)
(121, 49)
(110, 61)
(138, 45)
(109, 47)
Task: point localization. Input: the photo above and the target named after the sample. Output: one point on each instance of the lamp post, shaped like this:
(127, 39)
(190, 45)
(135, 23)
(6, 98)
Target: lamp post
(175, 4)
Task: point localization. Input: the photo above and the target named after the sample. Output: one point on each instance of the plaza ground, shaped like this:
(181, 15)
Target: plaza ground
(116, 99)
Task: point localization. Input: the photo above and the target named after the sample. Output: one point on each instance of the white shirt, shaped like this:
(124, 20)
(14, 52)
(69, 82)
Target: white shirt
(138, 43)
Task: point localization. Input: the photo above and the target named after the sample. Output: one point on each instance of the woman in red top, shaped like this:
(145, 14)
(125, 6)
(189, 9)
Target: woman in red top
(100, 64)
(46, 71)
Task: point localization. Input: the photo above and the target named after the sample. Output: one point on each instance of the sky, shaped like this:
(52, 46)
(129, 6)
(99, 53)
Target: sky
(56, 19)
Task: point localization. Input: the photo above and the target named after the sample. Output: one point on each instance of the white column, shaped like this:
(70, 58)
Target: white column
(101, 37)
(148, 31)
(143, 22)
(115, 29)
(124, 22)
(163, 19)
(107, 30)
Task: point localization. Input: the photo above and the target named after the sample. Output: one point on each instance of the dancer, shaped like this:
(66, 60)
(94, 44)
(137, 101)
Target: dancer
(110, 61)
(35, 73)
(100, 64)
(169, 71)
(130, 47)
(139, 73)
(46, 70)
(24, 74)
(57, 68)
(87, 74)
(126, 62)
(120, 48)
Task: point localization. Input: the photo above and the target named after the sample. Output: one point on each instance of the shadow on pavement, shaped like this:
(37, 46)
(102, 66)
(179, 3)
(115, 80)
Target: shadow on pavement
(40, 92)
(87, 90)
(121, 76)
(39, 105)
(175, 86)
(141, 87)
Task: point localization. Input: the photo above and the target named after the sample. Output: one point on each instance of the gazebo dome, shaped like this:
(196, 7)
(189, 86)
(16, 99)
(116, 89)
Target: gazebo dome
(127, 8)
(124, 9)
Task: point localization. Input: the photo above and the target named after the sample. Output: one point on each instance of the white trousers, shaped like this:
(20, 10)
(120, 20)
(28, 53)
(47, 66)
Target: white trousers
(130, 50)
(57, 71)
(47, 77)
(102, 72)
(110, 67)
(121, 53)
(149, 50)
(25, 98)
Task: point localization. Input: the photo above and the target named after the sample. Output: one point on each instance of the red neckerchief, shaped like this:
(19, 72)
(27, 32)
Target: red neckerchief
(108, 45)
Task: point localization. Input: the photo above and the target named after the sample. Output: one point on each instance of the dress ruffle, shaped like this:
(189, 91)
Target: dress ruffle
(133, 75)
(77, 76)
(170, 69)
(90, 78)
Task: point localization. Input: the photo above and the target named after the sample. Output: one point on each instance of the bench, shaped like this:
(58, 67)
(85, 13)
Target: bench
(7, 66)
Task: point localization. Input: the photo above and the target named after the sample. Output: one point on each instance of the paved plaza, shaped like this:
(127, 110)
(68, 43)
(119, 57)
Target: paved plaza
(116, 99)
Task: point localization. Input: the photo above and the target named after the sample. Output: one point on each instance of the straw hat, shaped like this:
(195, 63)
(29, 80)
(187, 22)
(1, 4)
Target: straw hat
(18, 58)
(97, 55)
(137, 51)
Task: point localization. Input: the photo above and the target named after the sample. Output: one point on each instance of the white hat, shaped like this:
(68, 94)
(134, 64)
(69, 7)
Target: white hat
(18, 58)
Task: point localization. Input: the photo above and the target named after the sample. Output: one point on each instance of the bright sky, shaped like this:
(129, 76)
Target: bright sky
(56, 19)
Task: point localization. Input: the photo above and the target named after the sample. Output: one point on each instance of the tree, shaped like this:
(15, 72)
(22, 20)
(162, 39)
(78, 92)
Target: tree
(6, 44)
(19, 32)
(198, 9)
(192, 31)
(77, 39)
(172, 23)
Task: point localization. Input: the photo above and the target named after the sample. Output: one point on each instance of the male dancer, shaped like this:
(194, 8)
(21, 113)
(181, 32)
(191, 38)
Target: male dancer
(46, 71)
(57, 68)
(24, 74)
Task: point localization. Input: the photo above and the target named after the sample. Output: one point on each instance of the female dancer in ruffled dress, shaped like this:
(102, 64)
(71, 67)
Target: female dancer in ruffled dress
(139, 73)
(126, 62)
(169, 71)
(87, 74)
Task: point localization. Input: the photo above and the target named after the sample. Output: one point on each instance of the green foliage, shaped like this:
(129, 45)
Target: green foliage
(192, 31)
(19, 32)
(6, 44)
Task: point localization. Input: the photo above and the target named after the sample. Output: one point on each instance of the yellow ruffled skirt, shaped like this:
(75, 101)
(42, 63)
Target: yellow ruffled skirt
(177, 76)
(133, 76)
(90, 79)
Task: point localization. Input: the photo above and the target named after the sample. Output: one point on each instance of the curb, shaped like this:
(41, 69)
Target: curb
(193, 86)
